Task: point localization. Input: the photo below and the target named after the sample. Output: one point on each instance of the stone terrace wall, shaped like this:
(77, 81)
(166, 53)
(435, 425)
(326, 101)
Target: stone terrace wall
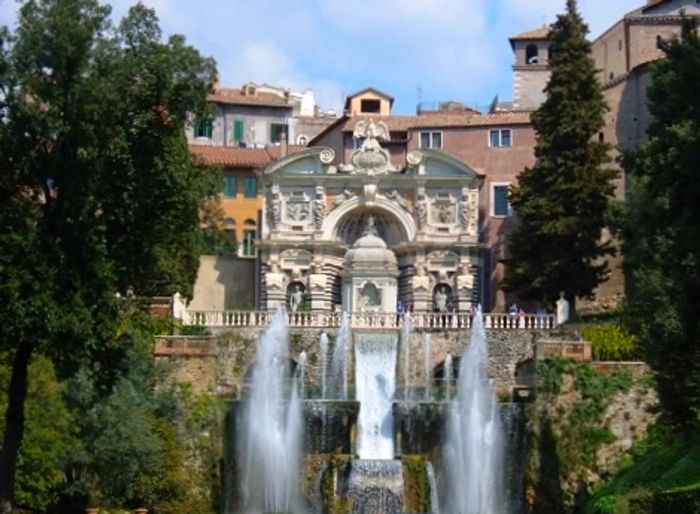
(221, 362)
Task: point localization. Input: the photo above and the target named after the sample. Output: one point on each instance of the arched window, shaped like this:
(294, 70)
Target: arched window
(532, 54)
(230, 229)
(302, 140)
(249, 234)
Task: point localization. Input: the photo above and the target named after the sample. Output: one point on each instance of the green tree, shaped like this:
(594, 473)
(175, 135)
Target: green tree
(561, 201)
(98, 192)
(661, 234)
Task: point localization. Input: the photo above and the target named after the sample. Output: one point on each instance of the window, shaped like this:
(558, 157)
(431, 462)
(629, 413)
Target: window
(532, 54)
(302, 140)
(500, 137)
(250, 187)
(248, 246)
(500, 206)
(204, 129)
(276, 132)
(230, 187)
(619, 45)
(238, 130)
(370, 106)
(431, 139)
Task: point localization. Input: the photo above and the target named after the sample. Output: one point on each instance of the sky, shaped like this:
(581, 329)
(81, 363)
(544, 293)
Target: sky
(415, 50)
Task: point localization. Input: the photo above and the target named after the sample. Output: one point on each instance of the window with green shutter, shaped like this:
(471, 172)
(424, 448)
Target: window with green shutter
(229, 187)
(238, 130)
(250, 187)
(501, 207)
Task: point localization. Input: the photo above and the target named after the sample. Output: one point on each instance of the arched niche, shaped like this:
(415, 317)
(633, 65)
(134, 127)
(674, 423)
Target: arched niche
(347, 222)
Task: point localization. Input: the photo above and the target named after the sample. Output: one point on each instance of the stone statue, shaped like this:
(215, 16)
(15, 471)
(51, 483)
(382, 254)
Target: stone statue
(342, 198)
(441, 299)
(295, 298)
(319, 211)
(396, 197)
(466, 213)
(370, 227)
(421, 280)
(421, 211)
(562, 309)
(274, 211)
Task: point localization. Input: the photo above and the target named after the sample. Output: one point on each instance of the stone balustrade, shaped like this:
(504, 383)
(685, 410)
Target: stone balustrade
(369, 320)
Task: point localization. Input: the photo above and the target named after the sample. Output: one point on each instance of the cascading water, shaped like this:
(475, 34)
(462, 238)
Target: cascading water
(323, 343)
(474, 449)
(427, 354)
(301, 374)
(375, 377)
(406, 329)
(339, 364)
(449, 376)
(269, 452)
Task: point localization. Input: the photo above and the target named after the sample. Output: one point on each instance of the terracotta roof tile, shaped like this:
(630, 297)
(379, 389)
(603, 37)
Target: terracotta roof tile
(400, 123)
(239, 157)
(235, 96)
(538, 33)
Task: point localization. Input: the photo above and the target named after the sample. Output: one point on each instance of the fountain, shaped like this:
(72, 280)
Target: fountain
(323, 356)
(474, 449)
(269, 448)
(449, 376)
(375, 377)
(301, 374)
(406, 329)
(339, 364)
(427, 354)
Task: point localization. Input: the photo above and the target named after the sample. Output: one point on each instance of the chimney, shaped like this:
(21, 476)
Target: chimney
(283, 144)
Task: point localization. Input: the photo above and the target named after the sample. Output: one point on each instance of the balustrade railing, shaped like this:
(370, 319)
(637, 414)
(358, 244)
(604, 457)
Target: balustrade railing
(374, 320)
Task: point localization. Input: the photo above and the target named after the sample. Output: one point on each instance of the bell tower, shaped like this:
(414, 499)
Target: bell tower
(531, 68)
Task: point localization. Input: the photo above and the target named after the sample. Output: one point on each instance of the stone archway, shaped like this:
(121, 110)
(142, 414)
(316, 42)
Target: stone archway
(345, 222)
(351, 226)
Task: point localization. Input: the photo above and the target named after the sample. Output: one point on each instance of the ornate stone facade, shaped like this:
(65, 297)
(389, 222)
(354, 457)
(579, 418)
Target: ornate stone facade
(426, 215)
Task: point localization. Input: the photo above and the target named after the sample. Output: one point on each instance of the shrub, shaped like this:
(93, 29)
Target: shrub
(612, 342)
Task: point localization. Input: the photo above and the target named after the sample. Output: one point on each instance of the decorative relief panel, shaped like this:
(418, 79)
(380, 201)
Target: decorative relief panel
(443, 210)
(297, 209)
(295, 258)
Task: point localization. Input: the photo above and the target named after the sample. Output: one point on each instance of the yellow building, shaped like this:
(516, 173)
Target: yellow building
(241, 198)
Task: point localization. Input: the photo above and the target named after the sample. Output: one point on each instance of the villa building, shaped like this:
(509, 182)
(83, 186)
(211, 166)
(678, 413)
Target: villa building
(435, 184)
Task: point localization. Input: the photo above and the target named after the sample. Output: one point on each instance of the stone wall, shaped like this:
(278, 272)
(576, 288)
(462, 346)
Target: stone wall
(224, 283)
(222, 362)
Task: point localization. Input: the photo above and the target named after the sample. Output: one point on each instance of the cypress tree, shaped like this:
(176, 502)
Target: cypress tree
(561, 201)
(661, 232)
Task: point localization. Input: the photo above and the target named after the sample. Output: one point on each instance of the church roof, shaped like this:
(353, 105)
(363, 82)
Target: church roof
(538, 33)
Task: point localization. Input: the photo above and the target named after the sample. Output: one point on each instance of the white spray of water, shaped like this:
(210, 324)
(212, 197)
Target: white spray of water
(302, 374)
(449, 375)
(375, 376)
(474, 449)
(324, 362)
(271, 428)
(406, 342)
(427, 353)
(339, 364)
